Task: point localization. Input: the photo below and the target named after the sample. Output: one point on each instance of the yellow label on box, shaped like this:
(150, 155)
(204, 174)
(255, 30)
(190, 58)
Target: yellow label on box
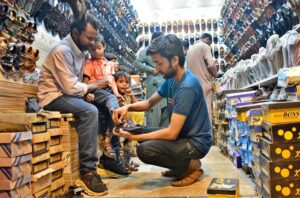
(275, 116)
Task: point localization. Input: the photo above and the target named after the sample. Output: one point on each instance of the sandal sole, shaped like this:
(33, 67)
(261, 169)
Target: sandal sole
(80, 183)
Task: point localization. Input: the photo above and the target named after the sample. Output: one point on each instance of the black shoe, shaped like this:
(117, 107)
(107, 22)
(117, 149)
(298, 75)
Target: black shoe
(92, 184)
(111, 168)
(130, 127)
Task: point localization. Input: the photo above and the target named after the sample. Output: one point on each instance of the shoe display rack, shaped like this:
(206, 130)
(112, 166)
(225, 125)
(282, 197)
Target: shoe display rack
(247, 25)
(17, 55)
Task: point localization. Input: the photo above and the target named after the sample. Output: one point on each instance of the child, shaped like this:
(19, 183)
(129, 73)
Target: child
(99, 69)
(122, 79)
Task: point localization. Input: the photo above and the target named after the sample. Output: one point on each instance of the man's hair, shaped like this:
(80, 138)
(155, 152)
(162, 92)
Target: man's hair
(124, 74)
(81, 24)
(186, 44)
(206, 35)
(167, 46)
(110, 56)
(100, 38)
(155, 35)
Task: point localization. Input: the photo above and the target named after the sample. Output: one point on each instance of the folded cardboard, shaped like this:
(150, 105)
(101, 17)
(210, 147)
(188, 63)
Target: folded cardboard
(23, 191)
(39, 127)
(40, 143)
(280, 169)
(57, 174)
(56, 153)
(56, 136)
(15, 137)
(57, 166)
(40, 166)
(57, 183)
(12, 184)
(285, 132)
(41, 158)
(280, 150)
(14, 161)
(15, 149)
(41, 180)
(281, 112)
(15, 172)
(59, 192)
(45, 193)
(17, 122)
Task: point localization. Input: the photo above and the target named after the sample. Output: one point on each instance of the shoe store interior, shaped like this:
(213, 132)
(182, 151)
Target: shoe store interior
(91, 90)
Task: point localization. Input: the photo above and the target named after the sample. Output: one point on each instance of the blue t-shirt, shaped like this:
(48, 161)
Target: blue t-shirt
(186, 98)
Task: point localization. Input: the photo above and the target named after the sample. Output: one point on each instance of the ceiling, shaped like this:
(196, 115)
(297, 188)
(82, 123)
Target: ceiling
(160, 10)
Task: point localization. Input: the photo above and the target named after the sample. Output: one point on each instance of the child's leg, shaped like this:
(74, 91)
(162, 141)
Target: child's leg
(108, 150)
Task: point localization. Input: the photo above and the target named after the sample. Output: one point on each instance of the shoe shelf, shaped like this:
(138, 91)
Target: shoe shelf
(247, 25)
(263, 83)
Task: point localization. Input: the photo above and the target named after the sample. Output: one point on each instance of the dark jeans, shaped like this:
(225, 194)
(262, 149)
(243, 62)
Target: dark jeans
(174, 155)
(86, 115)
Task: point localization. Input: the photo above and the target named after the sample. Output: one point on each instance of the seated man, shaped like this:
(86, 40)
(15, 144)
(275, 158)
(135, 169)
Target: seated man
(61, 89)
(188, 137)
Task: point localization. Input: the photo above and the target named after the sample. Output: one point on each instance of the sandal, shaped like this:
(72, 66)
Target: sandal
(188, 179)
(130, 127)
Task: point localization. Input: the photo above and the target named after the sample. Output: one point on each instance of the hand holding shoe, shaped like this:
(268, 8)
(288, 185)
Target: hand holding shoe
(119, 114)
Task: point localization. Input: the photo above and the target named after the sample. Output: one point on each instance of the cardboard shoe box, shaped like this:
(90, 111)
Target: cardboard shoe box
(255, 133)
(41, 180)
(13, 184)
(15, 172)
(14, 161)
(286, 132)
(280, 150)
(45, 193)
(254, 117)
(40, 163)
(289, 188)
(241, 112)
(10, 137)
(15, 149)
(280, 169)
(20, 192)
(56, 153)
(281, 112)
(40, 143)
(223, 187)
(55, 136)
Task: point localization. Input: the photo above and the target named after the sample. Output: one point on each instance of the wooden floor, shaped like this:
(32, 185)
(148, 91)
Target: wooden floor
(147, 182)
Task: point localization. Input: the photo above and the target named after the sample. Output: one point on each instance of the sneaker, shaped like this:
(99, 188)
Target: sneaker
(92, 184)
(130, 127)
(111, 168)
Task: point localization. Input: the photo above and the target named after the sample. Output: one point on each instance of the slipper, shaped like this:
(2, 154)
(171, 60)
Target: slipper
(189, 179)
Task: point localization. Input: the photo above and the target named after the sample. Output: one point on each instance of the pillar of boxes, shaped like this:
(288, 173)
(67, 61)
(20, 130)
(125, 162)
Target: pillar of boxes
(15, 166)
(280, 150)
(70, 147)
(41, 171)
(56, 161)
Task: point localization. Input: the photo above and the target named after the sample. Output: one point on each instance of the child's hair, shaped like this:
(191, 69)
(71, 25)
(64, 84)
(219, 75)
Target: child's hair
(100, 38)
(124, 74)
(110, 56)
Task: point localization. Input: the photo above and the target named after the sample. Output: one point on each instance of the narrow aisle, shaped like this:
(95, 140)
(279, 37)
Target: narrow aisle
(147, 182)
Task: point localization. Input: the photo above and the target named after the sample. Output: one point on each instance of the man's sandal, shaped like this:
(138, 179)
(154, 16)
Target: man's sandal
(188, 179)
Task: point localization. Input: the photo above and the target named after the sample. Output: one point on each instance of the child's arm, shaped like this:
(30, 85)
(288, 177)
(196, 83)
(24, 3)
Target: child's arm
(113, 86)
(130, 93)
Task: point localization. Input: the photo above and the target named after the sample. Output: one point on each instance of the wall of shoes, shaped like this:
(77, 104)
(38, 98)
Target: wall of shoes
(247, 25)
(189, 30)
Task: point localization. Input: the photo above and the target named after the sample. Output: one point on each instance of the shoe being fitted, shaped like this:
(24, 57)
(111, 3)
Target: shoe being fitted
(92, 184)
(111, 168)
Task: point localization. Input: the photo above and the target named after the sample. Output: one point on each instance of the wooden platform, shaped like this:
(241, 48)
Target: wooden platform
(147, 182)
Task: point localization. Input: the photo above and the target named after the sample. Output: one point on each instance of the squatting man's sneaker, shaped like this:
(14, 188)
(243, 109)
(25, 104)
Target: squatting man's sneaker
(92, 184)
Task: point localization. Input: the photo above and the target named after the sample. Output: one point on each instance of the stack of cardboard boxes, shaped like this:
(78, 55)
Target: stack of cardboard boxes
(15, 164)
(280, 150)
(70, 147)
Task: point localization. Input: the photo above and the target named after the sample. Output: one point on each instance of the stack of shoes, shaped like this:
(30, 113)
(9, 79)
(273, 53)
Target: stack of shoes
(175, 27)
(197, 25)
(209, 25)
(186, 26)
(203, 25)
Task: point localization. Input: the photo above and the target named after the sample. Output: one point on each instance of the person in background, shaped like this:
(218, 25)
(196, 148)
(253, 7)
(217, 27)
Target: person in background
(157, 116)
(61, 88)
(187, 138)
(98, 68)
(201, 63)
(186, 46)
